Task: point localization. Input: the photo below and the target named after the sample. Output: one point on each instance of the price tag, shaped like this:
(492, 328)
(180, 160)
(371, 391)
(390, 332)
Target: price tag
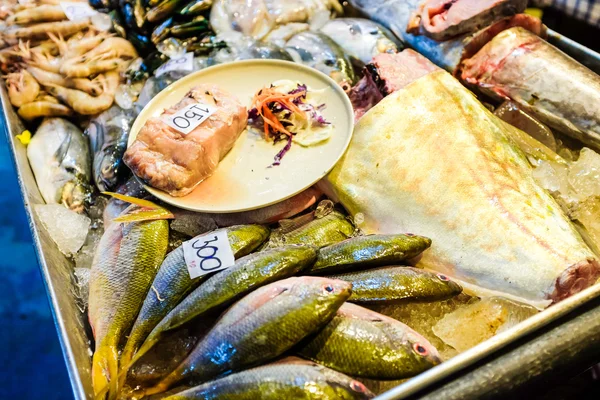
(182, 63)
(208, 253)
(188, 118)
(77, 11)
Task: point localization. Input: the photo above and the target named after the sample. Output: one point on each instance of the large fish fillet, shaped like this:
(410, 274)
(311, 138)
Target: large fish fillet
(430, 159)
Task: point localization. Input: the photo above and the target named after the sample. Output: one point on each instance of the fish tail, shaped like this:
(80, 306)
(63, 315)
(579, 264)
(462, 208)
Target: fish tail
(125, 363)
(164, 385)
(104, 372)
(130, 356)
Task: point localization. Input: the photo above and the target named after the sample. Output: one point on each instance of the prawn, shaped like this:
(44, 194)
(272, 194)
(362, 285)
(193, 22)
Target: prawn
(42, 13)
(22, 88)
(9, 57)
(75, 48)
(113, 47)
(46, 62)
(46, 78)
(90, 86)
(77, 70)
(25, 51)
(44, 108)
(83, 103)
(43, 96)
(41, 31)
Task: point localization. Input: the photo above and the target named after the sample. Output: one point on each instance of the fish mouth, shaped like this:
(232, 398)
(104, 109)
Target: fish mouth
(75, 195)
(574, 279)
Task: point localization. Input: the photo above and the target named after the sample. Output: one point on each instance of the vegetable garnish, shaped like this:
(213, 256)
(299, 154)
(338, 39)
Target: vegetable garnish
(284, 111)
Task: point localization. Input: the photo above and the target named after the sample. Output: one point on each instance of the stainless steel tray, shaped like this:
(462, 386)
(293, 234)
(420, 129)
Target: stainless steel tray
(566, 335)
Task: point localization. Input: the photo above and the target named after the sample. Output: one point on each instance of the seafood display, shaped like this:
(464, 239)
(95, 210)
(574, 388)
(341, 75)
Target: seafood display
(451, 217)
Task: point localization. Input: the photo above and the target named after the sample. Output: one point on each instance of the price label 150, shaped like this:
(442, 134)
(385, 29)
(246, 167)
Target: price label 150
(208, 253)
(189, 117)
(182, 63)
(75, 11)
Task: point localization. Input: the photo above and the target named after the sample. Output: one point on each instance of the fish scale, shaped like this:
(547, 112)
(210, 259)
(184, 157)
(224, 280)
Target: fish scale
(126, 260)
(261, 326)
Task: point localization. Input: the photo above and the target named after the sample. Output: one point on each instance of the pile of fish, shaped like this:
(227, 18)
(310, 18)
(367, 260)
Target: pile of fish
(289, 298)
(341, 299)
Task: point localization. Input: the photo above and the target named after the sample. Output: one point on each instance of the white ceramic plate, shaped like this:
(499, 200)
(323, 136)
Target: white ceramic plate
(243, 180)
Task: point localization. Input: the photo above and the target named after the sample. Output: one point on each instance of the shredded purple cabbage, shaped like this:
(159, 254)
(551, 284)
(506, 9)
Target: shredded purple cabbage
(253, 114)
(257, 121)
(300, 88)
(319, 118)
(282, 152)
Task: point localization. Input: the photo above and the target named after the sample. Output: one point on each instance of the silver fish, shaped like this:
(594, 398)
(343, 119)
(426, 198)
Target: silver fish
(108, 134)
(518, 65)
(318, 51)
(396, 14)
(259, 50)
(361, 38)
(59, 156)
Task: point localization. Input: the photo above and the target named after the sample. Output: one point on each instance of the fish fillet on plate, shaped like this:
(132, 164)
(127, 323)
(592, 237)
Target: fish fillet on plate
(175, 162)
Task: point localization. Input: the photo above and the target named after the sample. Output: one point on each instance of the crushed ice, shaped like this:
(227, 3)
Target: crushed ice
(67, 228)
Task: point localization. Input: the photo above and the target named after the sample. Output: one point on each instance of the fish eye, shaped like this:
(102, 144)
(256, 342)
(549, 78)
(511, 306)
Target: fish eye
(357, 386)
(329, 63)
(329, 288)
(420, 350)
(443, 277)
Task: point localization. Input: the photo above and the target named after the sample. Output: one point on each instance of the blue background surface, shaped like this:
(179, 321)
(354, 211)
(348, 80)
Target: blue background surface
(33, 365)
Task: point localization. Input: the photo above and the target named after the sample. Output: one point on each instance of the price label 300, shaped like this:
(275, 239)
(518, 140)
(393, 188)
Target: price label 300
(208, 253)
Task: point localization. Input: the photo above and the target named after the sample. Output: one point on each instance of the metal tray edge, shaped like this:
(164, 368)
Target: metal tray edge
(34, 226)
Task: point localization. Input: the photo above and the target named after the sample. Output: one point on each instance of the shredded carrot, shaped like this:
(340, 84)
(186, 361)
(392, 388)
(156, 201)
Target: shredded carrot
(265, 97)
